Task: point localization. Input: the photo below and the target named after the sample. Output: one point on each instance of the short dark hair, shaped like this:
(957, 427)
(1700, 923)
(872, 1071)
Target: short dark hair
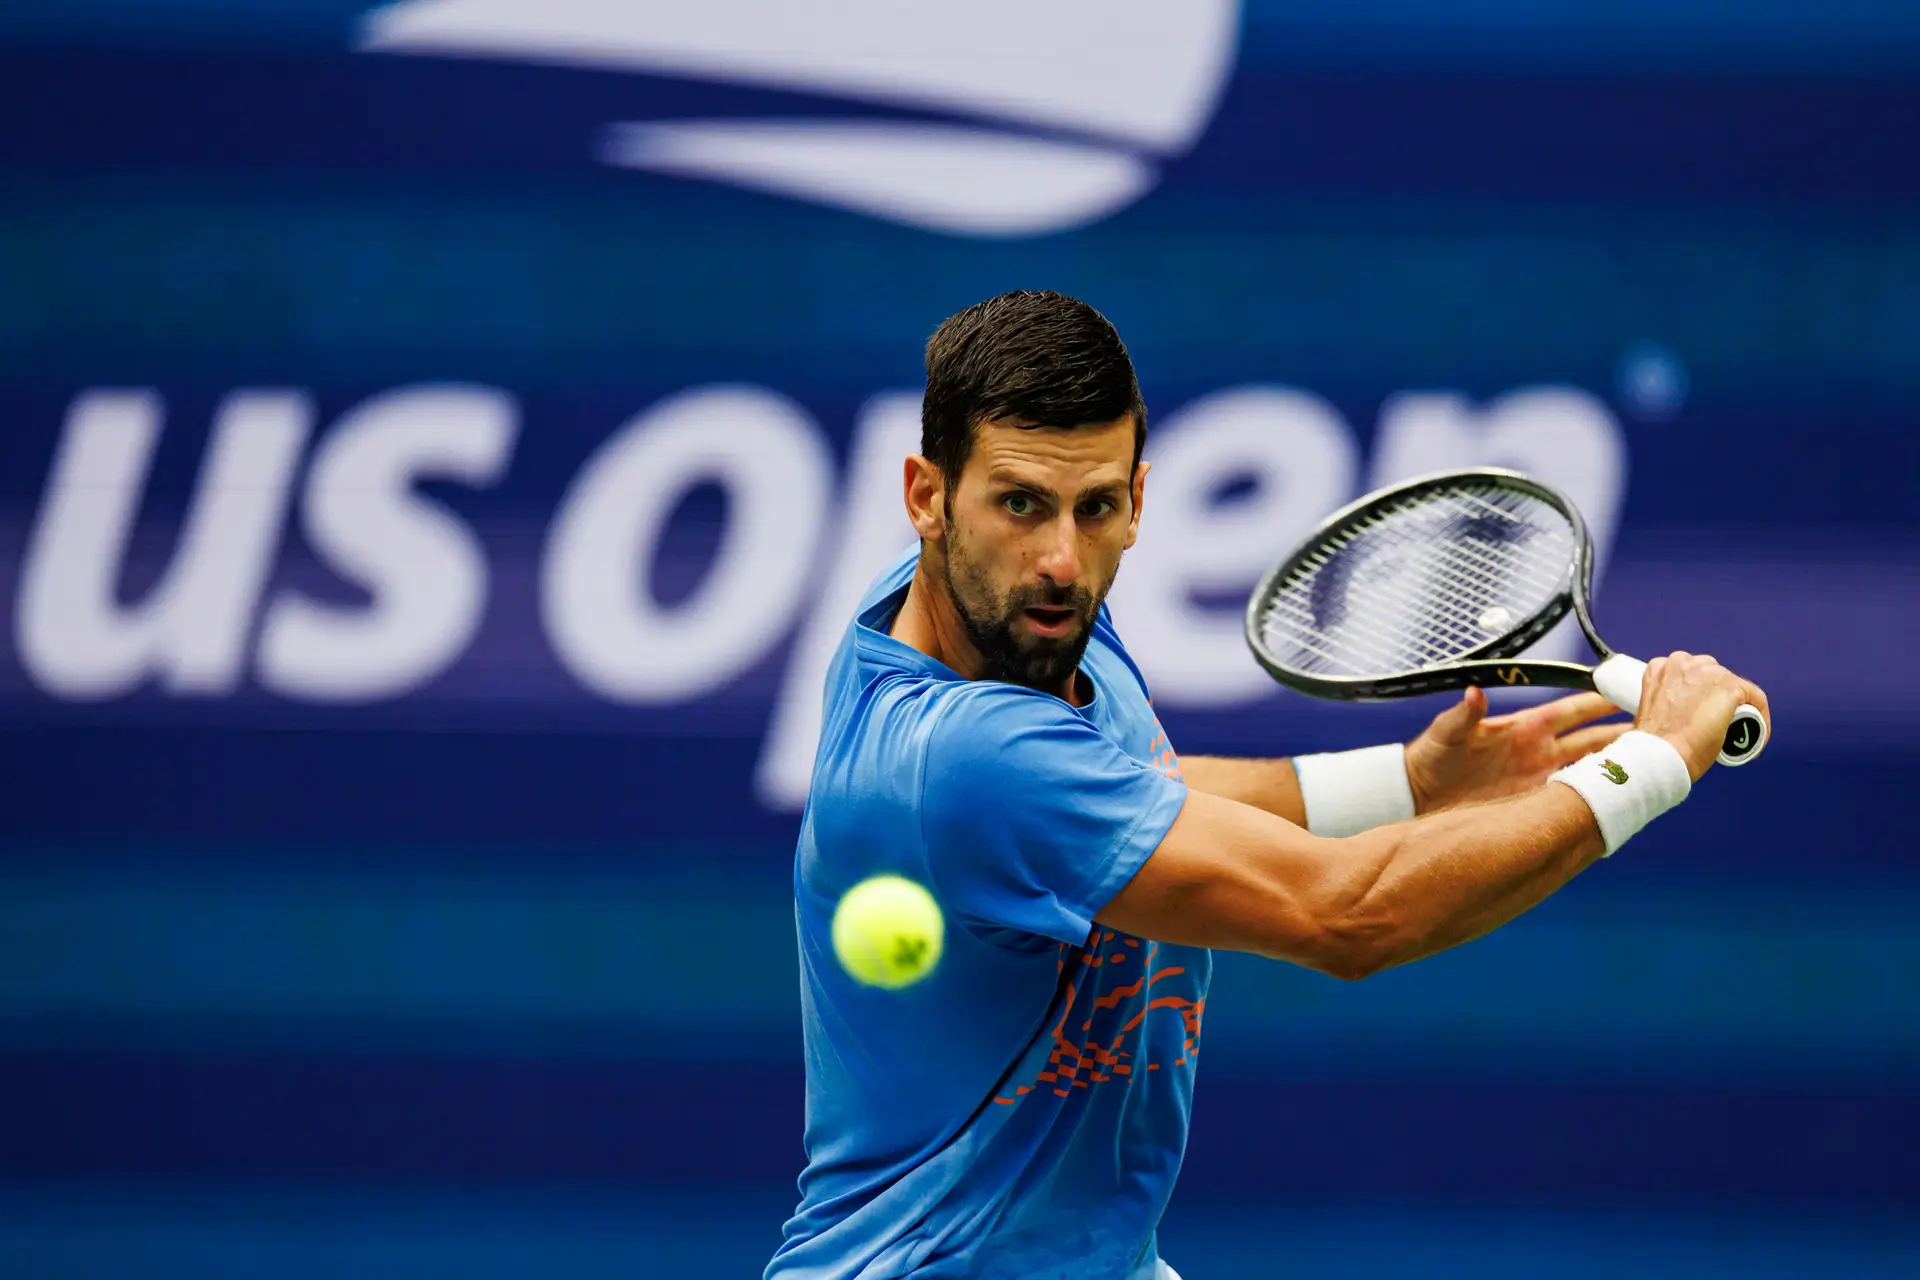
(1038, 356)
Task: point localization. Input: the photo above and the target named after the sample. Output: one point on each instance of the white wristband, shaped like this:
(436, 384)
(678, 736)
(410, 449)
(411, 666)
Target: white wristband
(1629, 784)
(1348, 792)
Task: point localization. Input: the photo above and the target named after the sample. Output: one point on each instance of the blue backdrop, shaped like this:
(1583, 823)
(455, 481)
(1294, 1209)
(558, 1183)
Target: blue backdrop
(439, 443)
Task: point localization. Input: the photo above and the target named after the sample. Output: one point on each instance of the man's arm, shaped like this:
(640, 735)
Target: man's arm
(1231, 875)
(1271, 785)
(1463, 757)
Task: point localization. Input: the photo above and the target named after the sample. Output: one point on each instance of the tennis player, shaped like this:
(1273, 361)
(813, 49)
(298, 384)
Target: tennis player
(1022, 1112)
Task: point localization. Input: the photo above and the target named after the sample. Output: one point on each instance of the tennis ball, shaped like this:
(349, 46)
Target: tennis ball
(888, 932)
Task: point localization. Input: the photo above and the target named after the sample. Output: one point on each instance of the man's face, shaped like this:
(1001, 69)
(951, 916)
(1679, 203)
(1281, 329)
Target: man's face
(1035, 528)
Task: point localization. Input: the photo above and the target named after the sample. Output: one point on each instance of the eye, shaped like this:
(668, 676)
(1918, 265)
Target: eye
(1020, 504)
(1098, 509)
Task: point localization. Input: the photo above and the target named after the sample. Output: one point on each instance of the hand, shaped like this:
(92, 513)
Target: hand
(1466, 756)
(1689, 699)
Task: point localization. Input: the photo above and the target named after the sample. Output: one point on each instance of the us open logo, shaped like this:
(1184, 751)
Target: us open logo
(286, 506)
(1004, 117)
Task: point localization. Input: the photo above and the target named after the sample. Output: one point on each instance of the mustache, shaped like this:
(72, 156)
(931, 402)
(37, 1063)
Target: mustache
(1047, 595)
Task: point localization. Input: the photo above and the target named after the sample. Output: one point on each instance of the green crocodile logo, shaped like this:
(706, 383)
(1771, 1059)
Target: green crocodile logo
(1615, 774)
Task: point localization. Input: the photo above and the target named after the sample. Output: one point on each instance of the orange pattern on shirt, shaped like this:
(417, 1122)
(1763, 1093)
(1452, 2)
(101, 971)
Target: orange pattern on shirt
(1080, 1065)
(1099, 1062)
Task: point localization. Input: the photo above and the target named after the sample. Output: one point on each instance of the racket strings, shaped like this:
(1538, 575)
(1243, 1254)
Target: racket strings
(1365, 637)
(1431, 571)
(1422, 581)
(1470, 573)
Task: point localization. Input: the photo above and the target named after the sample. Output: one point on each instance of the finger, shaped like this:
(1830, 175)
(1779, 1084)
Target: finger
(1563, 714)
(1584, 742)
(1652, 680)
(1456, 722)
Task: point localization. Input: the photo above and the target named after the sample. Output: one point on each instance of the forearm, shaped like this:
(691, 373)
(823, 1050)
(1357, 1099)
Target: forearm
(1238, 871)
(1423, 886)
(1270, 785)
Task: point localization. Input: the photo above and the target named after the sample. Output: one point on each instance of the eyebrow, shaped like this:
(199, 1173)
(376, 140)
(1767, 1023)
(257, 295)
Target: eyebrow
(1007, 479)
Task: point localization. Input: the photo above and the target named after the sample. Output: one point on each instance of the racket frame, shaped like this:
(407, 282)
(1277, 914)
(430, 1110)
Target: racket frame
(1491, 665)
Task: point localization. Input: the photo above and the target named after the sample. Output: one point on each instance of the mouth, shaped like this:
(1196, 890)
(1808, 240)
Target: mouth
(1051, 623)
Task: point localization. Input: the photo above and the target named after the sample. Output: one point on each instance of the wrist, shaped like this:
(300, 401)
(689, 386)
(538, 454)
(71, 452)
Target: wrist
(1425, 795)
(1629, 784)
(1347, 792)
(1687, 751)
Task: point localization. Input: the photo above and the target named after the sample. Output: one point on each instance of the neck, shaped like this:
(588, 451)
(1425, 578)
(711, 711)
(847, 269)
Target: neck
(927, 621)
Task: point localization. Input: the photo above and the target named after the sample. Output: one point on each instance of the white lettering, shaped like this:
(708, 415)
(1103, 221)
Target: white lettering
(423, 567)
(74, 639)
(872, 531)
(600, 611)
(1301, 460)
(1560, 435)
(1238, 477)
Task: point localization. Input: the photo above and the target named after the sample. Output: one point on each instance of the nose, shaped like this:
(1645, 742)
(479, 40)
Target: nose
(1059, 560)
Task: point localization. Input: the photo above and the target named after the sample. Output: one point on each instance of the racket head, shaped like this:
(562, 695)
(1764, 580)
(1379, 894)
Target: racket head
(1423, 586)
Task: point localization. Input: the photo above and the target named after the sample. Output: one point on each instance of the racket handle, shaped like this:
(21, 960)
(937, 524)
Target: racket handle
(1745, 736)
(1619, 678)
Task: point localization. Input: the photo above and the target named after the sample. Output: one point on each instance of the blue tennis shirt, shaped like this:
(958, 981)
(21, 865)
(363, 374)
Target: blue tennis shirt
(1022, 1112)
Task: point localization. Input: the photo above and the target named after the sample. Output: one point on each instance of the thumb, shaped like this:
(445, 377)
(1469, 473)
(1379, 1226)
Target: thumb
(1457, 721)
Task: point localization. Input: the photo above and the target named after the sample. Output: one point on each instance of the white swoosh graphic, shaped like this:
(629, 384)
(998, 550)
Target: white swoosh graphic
(1148, 72)
(939, 177)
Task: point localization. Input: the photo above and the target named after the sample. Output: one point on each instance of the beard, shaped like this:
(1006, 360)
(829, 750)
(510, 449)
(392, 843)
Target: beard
(991, 621)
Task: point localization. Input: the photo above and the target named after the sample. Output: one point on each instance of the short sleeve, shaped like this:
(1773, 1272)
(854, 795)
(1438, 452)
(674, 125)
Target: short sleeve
(1032, 818)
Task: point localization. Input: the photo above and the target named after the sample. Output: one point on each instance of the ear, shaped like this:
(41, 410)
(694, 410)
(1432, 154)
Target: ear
(926, 494)
(1139, 500)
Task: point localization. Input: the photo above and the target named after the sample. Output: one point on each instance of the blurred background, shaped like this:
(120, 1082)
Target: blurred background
(443, 441)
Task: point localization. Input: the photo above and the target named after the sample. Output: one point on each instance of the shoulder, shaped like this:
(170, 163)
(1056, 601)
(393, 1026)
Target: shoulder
(992, 740)
(983, 718)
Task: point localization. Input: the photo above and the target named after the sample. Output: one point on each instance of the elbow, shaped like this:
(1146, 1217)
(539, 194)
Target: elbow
(1358, 944)
(1345, 917)
(1360, 926)
(1352, 964)
(1352, 967)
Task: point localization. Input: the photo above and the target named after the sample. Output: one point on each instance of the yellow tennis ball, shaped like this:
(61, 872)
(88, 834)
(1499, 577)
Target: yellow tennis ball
(888, 932)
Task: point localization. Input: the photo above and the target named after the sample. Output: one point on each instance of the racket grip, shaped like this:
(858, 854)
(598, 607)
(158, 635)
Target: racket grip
(1619, 679)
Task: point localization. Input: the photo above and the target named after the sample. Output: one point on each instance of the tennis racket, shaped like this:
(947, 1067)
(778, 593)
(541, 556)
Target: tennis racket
(1440, 583)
